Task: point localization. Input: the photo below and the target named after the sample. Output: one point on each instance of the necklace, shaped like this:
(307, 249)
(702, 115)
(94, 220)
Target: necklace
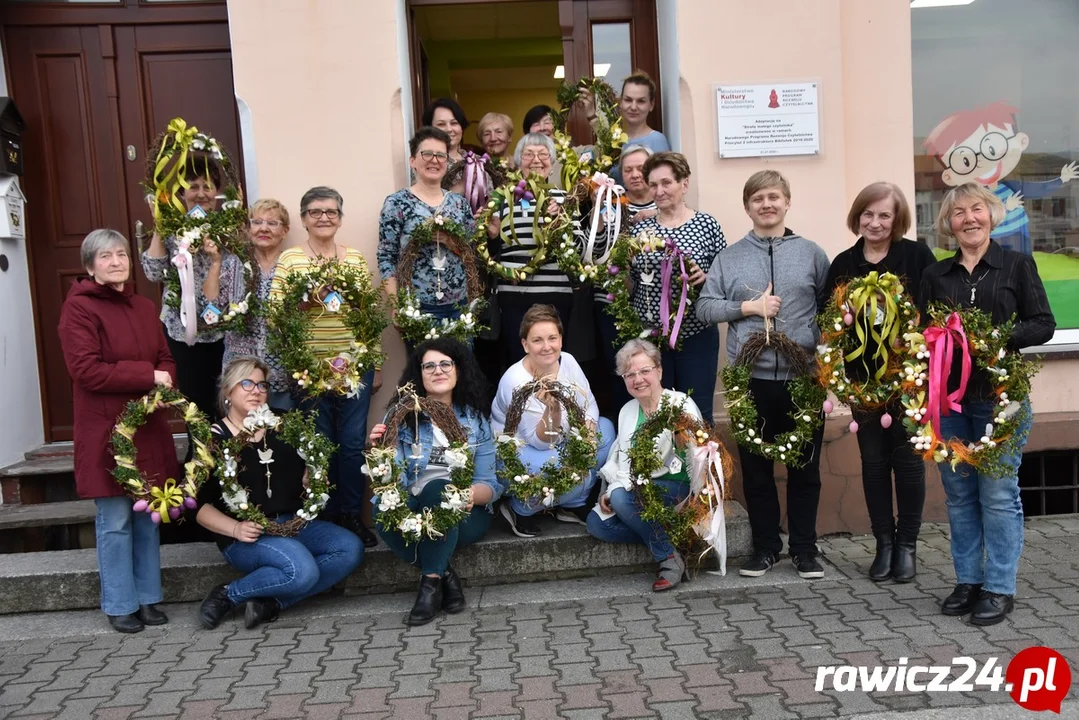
(973, 284)
(317, 254)
(265, 453)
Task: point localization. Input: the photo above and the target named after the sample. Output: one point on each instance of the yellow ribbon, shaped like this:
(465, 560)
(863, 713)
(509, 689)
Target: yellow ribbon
(178, 138)
(165, 497)
(864, 302)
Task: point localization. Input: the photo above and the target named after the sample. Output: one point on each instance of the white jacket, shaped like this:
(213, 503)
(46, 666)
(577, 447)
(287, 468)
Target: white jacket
(569, 373)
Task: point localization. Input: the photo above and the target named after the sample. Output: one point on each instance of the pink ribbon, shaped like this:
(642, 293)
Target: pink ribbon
(712, 528)
(605, 204)
(666, 271)
(189, 318)
(476, 180)
(941, 343)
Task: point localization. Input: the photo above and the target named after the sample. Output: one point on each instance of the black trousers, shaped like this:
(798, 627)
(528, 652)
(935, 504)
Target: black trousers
(774, 404)
(886, 451)
(198, 368)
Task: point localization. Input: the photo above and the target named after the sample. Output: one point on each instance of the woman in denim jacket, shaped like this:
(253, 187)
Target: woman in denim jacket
(444, 369)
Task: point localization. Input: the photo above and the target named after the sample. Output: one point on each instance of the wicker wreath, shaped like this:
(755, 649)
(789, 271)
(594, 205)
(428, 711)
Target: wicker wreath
(576, 452)
(415, 324)
(167, 502)
(806, 393)
(610, 137)
(387, 473)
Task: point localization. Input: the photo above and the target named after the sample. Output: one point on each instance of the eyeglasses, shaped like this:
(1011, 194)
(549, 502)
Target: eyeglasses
(530, 155)
(444, 365)
(317, 213)
(964, 160)
(250, 385)
(645, 373)
(267, 223)
(430, 155)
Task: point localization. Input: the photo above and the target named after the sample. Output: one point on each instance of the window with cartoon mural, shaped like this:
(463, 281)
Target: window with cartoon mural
(996, 102)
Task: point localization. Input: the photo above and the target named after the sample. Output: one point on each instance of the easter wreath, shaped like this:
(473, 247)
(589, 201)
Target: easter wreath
(298, 431)
(329, 286)
(576, 452)
(807, 396)
(415, 324)
(610, 137)
(925, 386)
(387, 473)
(168, 501)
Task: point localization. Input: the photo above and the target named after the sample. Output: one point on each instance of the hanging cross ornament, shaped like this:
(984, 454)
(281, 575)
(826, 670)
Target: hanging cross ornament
(266, 459)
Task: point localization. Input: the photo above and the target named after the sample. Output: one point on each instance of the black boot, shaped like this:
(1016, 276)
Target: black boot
(904, 565)
(428, 601)
(881, 569)
(453, 595)
(126, 623)
(215, 607)
(151, 615)
(260, 610)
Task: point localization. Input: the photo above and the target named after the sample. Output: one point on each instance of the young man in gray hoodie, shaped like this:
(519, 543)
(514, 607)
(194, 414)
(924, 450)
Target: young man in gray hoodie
(772, 274)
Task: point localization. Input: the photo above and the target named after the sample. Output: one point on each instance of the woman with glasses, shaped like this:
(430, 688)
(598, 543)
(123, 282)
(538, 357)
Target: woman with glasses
(278, 571)
(341, 418)
(438, 277)
(445, 370)
(617, 515)
(225, 284)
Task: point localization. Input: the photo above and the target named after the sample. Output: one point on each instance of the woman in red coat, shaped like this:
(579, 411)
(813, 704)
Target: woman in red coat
(115, 352)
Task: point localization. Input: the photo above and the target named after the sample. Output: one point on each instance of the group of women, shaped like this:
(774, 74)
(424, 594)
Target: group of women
(116, 351)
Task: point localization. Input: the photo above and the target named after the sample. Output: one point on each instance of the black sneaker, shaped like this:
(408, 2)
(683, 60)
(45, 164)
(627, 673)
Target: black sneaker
(577, 515)
(521, 525)
(761, 562)
(807, 565)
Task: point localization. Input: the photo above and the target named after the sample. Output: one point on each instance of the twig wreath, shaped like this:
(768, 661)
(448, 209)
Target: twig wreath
(167, 502)
(880, 313)
(388, 473)
(478, 173)
(972, 333)
(298, 431)
(415, 324)
(807, 396)
(617, 283)
(329, 286)
(610, 137)
(166, 178)
(695, 517)
(576, 451)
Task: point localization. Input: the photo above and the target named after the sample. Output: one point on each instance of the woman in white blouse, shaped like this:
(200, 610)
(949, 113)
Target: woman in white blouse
(544, 423)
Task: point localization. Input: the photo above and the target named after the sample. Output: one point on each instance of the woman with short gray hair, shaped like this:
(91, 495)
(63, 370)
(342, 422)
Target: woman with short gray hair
(116, 352)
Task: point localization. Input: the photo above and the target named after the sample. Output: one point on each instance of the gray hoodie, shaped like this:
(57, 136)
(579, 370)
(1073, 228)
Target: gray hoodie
(797, 269)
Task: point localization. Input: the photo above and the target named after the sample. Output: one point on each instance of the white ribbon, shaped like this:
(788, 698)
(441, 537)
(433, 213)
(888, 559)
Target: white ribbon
(189, 318)
(713, 527)
(606, 202)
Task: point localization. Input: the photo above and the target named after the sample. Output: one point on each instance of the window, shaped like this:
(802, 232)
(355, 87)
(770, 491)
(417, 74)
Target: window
(995, 103)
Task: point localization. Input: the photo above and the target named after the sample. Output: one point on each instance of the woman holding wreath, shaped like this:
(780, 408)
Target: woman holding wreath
(985, 513)
(279, 571)
(544, 423)
(617, 515)
(445, 370)
(438, 276)
(341, 418)
(115, 352)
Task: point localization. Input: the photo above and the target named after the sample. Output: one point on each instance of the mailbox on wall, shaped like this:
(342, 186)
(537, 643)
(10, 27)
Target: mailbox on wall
(11, 130)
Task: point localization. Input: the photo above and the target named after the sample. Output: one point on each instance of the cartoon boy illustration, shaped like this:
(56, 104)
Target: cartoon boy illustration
(984, 145)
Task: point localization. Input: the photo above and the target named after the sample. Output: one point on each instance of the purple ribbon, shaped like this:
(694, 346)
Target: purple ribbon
(666, 271)
(476, 180)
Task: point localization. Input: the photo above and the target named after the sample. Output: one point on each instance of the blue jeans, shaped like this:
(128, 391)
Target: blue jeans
(985, 513)
(292, 569)
(449, 312)
(433, 557)
(694, 368)
(534, 459)
(627, 526)
(128, 556)
(344, 421)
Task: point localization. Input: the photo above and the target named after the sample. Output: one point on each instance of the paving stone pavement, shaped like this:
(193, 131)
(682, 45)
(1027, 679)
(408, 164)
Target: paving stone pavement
(717, 647)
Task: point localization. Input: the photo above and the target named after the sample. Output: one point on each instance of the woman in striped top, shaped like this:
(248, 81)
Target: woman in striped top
(342, 419)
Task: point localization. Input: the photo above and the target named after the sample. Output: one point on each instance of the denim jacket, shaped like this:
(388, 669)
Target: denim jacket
(480, 439)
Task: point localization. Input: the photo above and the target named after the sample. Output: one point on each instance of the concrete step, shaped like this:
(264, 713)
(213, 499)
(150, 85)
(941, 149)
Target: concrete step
(68, 579)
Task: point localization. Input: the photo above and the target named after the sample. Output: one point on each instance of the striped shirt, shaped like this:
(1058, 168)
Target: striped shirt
(548, 278)
(329, 334)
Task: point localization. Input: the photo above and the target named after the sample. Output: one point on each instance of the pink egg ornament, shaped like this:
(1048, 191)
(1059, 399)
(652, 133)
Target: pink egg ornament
(156, 517)
(848, 319)
(886, 421)
(828, 407)
(140, 506)
(854, 426)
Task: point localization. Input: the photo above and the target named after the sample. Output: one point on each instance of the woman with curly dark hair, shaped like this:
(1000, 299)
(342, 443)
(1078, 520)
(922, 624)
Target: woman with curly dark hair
(443, 369)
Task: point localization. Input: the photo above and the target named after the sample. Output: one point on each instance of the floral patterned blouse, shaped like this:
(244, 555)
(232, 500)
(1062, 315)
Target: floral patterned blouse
(401, 214)
(156, 269)
(232, 289)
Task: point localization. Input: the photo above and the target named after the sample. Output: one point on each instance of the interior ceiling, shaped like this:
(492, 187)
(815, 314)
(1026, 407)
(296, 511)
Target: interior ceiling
(521, 78)
(510, 20)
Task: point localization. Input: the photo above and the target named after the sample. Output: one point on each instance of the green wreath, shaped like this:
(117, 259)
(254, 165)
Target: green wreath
(329, 286)
(576, 452)
(298, 431)
(168, 501)
(806, 394)
(610, 137)
(387, 473)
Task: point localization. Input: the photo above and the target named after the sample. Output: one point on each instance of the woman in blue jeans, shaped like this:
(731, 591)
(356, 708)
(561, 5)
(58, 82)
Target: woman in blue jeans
(617, 515)
(280, 571)
(445, 370)
(985, 512)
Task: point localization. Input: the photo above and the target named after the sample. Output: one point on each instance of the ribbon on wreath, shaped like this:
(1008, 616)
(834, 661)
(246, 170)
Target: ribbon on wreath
(666, 273)
(165, 503)
(942, 342)
(185, 268)
(476, 180)
(607, 203)
(875, 294)
(706, 464)
(178, 136)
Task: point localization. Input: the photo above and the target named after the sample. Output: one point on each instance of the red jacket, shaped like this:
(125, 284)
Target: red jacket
(112, 343)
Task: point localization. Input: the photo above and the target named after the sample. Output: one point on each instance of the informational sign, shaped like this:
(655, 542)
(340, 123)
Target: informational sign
(763, 120)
